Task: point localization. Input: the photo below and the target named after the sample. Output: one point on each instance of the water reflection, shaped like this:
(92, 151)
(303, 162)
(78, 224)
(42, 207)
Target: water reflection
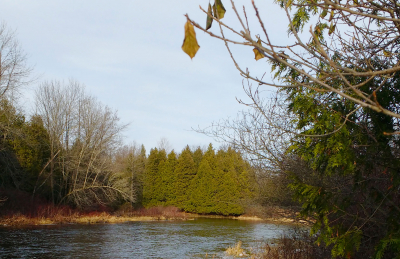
(176, 239)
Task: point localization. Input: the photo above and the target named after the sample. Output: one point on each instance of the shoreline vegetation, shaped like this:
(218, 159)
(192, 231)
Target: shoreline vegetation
(62, 215)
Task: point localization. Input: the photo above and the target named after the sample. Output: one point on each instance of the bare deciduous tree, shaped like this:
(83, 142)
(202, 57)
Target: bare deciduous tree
(56, 103)
(262, 132)
(86, 133)
(351, 44)
(14, 71)
(163, 143)
(129, 166)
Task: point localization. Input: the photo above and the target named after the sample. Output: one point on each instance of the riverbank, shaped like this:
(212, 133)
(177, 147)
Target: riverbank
(151, 214)
(21, 220)
(59, 215)
(22, 210)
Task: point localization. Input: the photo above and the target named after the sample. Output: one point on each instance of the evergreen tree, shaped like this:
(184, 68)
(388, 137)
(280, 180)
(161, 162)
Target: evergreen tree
(33, 152)
(245, 176)
(222, 185)
(355, 197)
(138, 180)
(219, 185)
(197, 156)
(169, 178)
(227, 197)
(209, 155)
(203, 190)
(150, 178)
(159, 196)
(185, 171)
(23, 148)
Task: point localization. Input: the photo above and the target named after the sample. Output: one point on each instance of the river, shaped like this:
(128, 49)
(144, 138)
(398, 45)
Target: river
(152, 239)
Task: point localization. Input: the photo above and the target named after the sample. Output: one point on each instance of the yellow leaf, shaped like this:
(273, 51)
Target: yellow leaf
(209, 17)
(219, 9)
(190, 45)
(257, 53)
(387, 53)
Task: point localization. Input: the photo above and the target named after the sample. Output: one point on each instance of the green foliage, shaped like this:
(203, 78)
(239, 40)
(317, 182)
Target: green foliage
(356, 200)
(391, 243)
(152, 184)
(185, 171)
(228, 193)
(24, 148)
(197, 156)
(32, 150)
(203, 190)
(169, 178)
(201, 183)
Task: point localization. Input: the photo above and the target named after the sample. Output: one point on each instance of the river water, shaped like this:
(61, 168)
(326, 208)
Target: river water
(154, 239)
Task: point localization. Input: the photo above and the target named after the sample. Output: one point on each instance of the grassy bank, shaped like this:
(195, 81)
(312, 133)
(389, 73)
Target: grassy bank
(61, 215)
(49, 214)
(94, 218)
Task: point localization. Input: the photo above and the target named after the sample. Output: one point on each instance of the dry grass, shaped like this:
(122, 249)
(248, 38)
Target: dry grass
(104, 217)
(236, 250)
(20, 220)
(20, 208)
(60, 215)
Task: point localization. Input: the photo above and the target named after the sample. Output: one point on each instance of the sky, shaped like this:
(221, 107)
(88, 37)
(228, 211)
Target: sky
(128, 55)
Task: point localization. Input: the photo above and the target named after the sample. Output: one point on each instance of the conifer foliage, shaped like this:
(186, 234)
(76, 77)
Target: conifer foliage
(206, 183)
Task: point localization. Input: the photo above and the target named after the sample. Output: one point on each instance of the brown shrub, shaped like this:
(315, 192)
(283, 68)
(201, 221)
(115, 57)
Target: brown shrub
(295, 245)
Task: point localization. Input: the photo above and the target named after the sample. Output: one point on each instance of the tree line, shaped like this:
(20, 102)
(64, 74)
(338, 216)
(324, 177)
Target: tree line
(70, 152)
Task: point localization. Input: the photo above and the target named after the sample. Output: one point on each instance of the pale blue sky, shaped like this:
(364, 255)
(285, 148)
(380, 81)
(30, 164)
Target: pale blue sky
(128, 54)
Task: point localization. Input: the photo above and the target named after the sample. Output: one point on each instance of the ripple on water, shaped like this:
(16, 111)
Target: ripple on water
(160, 239)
